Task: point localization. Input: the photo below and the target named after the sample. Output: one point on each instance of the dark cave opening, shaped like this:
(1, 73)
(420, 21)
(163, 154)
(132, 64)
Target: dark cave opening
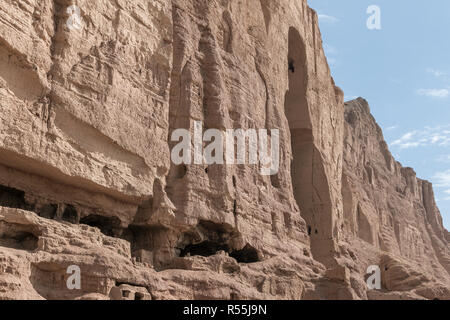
(138, 296)
(178, 172)
(291, 66)
(109, 226)
(204, 249)
(210, 238)
(17, 237)
(13, 198)
(70, 214)
(218, 240)
(16, 199)
(248, 254)
(47, 211)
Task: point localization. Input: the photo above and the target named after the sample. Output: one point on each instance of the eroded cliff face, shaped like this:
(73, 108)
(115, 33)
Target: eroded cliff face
(87, 178)
(391, 218)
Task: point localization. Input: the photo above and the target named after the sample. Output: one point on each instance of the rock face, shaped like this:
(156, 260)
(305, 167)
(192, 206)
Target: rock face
(86, 177)
(390, 216)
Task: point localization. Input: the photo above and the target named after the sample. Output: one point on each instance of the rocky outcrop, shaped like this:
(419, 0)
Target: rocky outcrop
(87, 180)
(391, 218)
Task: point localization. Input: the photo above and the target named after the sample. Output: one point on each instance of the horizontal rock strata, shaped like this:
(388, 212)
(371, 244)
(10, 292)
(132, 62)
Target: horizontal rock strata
(86, 177)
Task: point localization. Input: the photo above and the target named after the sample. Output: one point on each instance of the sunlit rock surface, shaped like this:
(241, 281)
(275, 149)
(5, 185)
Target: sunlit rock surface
(86, 176)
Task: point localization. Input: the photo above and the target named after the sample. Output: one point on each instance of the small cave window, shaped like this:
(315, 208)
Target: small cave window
(180, 171)
(28, 241)
(12, 198)
(48, 211)
(246, 255)
(126, 293)
(70, 214)
(291, 65)
(109, 226)
(138, 296)
(275, 180)
(10, 237)
(309, 230)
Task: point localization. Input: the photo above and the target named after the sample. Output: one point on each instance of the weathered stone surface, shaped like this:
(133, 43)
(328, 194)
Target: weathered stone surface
(86, 177)
(391, 218)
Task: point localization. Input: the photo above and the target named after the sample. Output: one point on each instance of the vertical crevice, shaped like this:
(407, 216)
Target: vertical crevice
(307, 171)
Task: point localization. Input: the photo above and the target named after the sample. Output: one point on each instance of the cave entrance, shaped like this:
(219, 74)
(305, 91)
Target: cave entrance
(209, 238)
(109, 226)
(205, 249)
(248, 254)
(307, 171)
(17, 237)
(70, 214)
(12, 198)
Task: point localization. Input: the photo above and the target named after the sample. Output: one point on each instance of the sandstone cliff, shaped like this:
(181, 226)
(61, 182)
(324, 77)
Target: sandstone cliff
(391, 218)
(86, 176)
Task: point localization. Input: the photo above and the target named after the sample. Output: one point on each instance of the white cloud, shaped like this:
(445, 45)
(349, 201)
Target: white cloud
(405, 141)
(391, 128)
(435, 93)
(436, 73)
(327, 18)
(437, 136)
(442, 180)
(447, 192)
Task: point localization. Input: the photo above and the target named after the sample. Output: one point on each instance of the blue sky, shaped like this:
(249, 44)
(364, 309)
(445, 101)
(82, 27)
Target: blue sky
(403, 71)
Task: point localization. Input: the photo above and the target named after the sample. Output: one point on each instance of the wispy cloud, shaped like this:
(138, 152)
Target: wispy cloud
(442, 180)
(391, 128)
(436, 73)
(435, 93)
(328, 19)
(437, 136)
(406, 141)
(447, 192)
